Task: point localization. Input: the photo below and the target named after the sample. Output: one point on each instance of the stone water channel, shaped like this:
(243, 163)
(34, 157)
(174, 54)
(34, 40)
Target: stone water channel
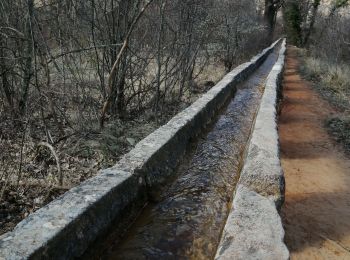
(186, 216)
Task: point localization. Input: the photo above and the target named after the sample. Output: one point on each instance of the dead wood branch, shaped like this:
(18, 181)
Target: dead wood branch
(52, 150)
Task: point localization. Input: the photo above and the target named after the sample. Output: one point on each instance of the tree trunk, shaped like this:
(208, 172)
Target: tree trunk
(4, 76)
(28, 66)
(313, 16)
(270, 15)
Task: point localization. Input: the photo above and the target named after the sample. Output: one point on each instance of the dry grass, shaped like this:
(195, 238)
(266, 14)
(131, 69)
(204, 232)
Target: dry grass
(332, 80)
(30, 174)
(339, 128)
(333, 83)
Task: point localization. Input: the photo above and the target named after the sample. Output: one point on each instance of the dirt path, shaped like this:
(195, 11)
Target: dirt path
(316, 214)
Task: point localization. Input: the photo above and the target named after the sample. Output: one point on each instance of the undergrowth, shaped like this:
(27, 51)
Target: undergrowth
(332, 81)
(339, 127)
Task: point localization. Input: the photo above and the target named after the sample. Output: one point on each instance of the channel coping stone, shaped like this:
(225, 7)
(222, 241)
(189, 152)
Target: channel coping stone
(255, 230)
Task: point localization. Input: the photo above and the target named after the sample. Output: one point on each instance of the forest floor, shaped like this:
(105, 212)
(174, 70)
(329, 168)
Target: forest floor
(317, 208)
(30, 172)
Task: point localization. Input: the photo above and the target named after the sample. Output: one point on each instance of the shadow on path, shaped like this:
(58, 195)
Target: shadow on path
(316, 214)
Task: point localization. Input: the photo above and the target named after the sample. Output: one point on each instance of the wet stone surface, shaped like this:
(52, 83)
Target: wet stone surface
(254, 229)
(187, 218)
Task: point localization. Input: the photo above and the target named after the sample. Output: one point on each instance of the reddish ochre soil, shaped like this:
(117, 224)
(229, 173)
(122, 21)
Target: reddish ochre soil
(316, 213)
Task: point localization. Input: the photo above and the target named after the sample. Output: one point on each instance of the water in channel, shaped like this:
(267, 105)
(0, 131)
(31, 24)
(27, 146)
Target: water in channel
(186, 220)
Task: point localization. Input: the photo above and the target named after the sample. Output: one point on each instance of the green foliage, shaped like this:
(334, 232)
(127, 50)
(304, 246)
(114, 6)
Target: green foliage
(337, 4)
(317, 3)
(293, 20)
(340, 3)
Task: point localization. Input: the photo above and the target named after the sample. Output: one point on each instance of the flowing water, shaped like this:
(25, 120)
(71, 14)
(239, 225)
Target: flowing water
(186, 219)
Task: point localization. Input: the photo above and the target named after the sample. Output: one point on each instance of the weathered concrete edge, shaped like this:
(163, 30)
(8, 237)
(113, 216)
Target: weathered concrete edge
(64, 228)
(254, 228)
